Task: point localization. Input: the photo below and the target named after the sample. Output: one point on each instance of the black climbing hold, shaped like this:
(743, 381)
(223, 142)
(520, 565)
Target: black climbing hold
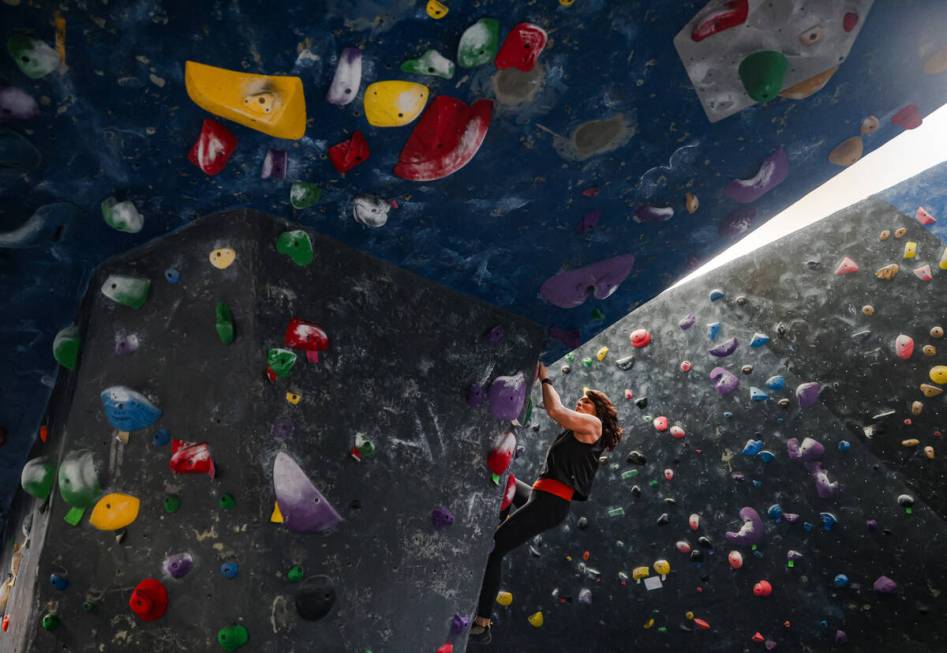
(747, 369)
(583, 523)
(781, 330)
(355, 504)
(705, 542)
(783, 403)
(887, 531)
(813, 264)
(705, 578)
(636, 458)
(641, 402)
(663, 519)
(697, 555)
(741, 300)
(625, 363)
(670, 501)
(905, 500)
(565, 369)
(315, 598)
(636, 491)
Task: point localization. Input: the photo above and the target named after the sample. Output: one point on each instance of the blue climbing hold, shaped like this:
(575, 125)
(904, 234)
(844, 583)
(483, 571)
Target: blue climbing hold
(752, 447)
(128, 410)
(828, 520)
(59, 582)
(776, 382)
(229, 569)
(161, 438)
(841, 580)
(717, 294)
(758, 395)
(713, 330)
(807, 526)
(756, 483)
(172, 275)
(727, 414)
(844, 445)
(758, 340)
(766, 456)
(775, 512)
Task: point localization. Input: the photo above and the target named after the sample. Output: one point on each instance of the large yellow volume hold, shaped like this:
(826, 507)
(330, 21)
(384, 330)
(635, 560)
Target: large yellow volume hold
(271, 104)
(114, 511)
(394, 103)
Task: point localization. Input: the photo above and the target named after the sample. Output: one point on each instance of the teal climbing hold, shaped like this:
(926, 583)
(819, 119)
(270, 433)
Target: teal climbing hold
(758, 395)
(762, 74)
(758, 340)
(766, 456)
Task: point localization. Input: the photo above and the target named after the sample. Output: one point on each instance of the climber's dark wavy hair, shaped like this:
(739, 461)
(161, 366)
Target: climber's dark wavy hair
(605, 411)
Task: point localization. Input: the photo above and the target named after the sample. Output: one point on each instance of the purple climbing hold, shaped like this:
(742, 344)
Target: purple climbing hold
(476, 395)
(588, 222)
(826, 488)
(725, 348)
(459, 623)
(807, 451)
(275, 164)
(495, 335)
(725, 381)
(871, 524)
(178, 565)
(884, 585)
(840, 637)
(648, 213)
(442, 517)
(16, 104)
(772, 172)
(752, 530)
(807, 394)
(738, 222)
(304, 508)
(571, 288)
(126, 343)
(687, 322)
(507, 395)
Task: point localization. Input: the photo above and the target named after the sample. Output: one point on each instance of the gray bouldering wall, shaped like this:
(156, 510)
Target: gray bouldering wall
(379, 424)
(837, 520)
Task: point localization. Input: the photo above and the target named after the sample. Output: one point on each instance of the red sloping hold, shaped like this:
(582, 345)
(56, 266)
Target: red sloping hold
(446, 138)
(213, 147)
(348, 154)
(191, 458)
(733, 13)
(522, 47)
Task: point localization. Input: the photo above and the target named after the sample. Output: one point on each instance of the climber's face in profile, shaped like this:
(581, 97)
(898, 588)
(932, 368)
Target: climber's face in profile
(585, 405)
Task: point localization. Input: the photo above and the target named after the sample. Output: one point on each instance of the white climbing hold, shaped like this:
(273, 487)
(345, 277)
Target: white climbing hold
(370, 211)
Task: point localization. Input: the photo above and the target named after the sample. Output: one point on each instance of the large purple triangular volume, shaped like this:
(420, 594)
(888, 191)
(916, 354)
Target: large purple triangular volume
(304, 508)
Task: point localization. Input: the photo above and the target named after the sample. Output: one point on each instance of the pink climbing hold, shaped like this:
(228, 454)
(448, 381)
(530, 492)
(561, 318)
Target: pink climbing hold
(924, 217)
(501, 455)
(735, 558)
(629, 395)
(924, 272)
(640, 338)
(904, 347)
(758, 637)
(884, 585)
(686, 366)
(660, 423)
(762, 589)
(694, 521)
(668, 474)
(677, 433)
(445, 648)
(847, 266)
(522, 47)
(907, 117)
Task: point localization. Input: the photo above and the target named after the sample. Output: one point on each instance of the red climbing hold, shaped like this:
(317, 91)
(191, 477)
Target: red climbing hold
(501, 455)
(758, 638)
(923, 216)
(522, 47)
(640, 338)
(213, 147)
(508, 493)
(907, 117)
(149, 600)
(306, 336)
(847, 266)
(348, 154)
(446, 138)
(43, 433)
(191, 458)
(733, 13)
(762, 589)
(446, 648)
(849, 21)
(700, 623)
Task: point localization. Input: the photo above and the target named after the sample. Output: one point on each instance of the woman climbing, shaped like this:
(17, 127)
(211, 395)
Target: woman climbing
(571, 463)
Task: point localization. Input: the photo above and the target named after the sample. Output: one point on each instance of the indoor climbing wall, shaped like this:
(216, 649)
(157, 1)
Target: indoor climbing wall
(266, 441)
(780, 483)
(486, 145)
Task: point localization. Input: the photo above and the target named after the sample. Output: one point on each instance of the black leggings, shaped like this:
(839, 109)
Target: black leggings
(535, 512)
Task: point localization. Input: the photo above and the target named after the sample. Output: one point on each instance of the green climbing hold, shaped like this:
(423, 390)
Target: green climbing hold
(127, 291)
(51, 621)
(653, 483)
(431, 63)
(66, 347)
(172, 503)
(122, 216)
(79, 479)
(227, 502)
(296, 245)
(304, 194)
(479, 43)
(37, 478)
(35, 58)
(587, 362)
(762, 74)
(281, 361)
(89, 606)
(295, 574)
(495, 479)
(232, 637)
(225, 329)
(570, 357)
(529, 411)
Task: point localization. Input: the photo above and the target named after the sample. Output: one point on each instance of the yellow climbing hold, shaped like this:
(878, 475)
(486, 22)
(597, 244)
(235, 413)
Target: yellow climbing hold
(649, 624)
(271, 104)
(566, 3)
(847, 152)
(294, 398)
(222, 258)
(504, 598)
(910, 442)
(917, 407)
(114, 511)
(910, 249)
(887, 272)
(809, 86)
(939, 374)
(943, 260)
(930, 390)
(929, 452)
(277, 516)
(602, 353)
(640, 572)
(436, 10)
(689, 615)
(536, 619)
(394, 103)
(662, 568)
(691, 202)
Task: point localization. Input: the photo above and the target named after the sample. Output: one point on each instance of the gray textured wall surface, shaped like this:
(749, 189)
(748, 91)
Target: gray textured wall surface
(402, 353)
(818, 332)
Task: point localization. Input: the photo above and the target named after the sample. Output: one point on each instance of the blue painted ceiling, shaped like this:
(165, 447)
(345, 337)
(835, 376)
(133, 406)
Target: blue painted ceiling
(117, 121)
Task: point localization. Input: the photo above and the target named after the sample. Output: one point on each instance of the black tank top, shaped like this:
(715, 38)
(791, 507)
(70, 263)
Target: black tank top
(573, 463)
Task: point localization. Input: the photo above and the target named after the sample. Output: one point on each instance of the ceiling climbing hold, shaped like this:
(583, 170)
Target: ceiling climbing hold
(394, 103)
(479, 43)
(213, 148)
(350, 153)
(773, 171)
(571, 288)
(347, 78)
(522, 47)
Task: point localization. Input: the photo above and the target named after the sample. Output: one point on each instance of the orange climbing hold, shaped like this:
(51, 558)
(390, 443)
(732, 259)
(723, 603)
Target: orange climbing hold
(701, 624)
